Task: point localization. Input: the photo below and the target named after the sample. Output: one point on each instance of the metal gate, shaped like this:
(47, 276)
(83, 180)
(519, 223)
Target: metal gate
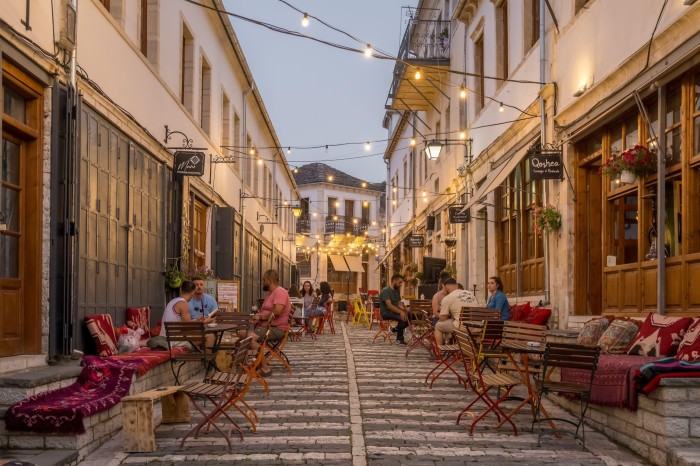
(121, 227)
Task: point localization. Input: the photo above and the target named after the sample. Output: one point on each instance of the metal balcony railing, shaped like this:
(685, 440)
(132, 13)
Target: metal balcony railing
(339, 225)
(304, 224)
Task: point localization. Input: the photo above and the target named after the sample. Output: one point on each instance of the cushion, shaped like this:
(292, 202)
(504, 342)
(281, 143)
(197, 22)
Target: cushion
(592, 331)
(618, 336)
(539, 316)
(520, 312)
(139, 318)
(660, 335)
(689, 349)
(102, 332)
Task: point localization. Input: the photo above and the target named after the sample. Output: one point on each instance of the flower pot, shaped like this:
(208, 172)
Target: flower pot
(175, 282)
(627, 177)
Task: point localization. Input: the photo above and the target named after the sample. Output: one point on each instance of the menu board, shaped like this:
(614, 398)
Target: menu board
(228, 291)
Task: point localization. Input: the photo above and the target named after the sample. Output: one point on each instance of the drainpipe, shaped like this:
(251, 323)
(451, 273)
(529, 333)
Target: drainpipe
(661, 207)
(244, 168)
(543, 141)
(274, 211)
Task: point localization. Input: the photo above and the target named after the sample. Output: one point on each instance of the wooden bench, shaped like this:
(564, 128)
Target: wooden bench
(137, 416)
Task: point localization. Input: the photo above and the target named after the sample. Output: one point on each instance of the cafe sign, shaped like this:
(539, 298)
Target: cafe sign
(457, 216)
(417, 241)
(546, 164)
(189, 163)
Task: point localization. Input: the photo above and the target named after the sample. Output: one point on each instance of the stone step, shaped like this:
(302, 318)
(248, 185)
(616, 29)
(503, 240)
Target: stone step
(40, 457)
(20, 384)
(684, 456)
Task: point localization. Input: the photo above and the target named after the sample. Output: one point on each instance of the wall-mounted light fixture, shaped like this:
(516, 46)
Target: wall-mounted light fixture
(579, 92)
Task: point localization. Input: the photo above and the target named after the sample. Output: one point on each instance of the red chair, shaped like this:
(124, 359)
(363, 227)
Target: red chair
(447, 356)
(327, 318)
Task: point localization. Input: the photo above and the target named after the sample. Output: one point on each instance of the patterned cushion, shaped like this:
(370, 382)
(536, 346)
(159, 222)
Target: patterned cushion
(102, 332)
(617, 337)
(520, 312)
(592, 331)
(660, 335)
(139, 318)
(689, 349)
(539, 316)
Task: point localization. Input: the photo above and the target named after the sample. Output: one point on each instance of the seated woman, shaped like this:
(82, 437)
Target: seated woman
(323, 303)
(498, 299)
(307, 295)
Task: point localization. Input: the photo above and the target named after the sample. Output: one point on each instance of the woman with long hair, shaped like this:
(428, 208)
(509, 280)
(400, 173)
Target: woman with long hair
(326, 297)
(307, 295)
(498, 299)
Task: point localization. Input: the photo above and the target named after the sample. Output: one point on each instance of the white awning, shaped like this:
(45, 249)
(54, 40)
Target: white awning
(339, 264)
(496, 177)
(354, 263)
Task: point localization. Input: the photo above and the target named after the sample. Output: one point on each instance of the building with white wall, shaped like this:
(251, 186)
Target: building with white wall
(338, 235)
(560, 83)
(97, 213)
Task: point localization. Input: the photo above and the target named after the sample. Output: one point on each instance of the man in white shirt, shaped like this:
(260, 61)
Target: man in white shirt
(451, 309)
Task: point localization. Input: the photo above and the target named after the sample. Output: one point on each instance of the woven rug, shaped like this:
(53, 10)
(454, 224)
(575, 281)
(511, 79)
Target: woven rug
(146, 358)
(101, 385)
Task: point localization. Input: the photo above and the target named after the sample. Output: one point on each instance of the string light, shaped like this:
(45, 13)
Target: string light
(330, 178)
(366, 203)
(305, 20)
(374, 222)
(364, 184)
(417, 75)
(260, 162)
(413, 141)
(501, 108)
(252, 151)
(462, 92)
(462, 135)
(368, 51)
(368, 146)
(337, 203)
(296, 170)
(289, 150)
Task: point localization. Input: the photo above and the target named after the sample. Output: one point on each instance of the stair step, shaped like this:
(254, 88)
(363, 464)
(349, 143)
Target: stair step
(40, 457)
(18, 385)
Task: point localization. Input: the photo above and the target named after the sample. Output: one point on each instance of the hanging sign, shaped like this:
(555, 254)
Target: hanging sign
(546, 164)
(417, 241)
(457, 216)
(189, 163)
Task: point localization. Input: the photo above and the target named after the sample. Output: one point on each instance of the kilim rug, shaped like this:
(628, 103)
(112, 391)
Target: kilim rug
(101, 385)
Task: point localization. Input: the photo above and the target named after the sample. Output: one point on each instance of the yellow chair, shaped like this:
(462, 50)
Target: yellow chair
(362, 315)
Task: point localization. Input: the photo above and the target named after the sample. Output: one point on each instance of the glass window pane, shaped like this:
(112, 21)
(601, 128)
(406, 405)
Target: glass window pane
(9, 210)
(673, 146)
(653, 114)
(10, 162)
(625, 231)
(15, 104)
(616, 139)
(631, 132)
(9, 256)
(696, 136)
(697, 93)
(673, 104)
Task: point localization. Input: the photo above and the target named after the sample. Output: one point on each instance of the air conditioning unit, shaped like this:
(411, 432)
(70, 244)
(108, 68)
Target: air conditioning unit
(68, 25)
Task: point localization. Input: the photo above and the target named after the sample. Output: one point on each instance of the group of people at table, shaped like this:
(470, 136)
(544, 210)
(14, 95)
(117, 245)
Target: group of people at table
(446, 305)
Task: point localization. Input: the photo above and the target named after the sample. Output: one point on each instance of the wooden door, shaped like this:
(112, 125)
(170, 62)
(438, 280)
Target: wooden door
(20, 215)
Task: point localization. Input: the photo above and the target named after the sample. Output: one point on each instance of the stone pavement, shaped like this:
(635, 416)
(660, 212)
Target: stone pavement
(351, 402)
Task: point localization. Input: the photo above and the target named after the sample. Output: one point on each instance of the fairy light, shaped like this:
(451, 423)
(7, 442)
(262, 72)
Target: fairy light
(368, 146)
(417, 75)
(501, 108)
(252, 151)
(462, 92)
(462, 135)
(364, 184)
(368, 51)
(337, 203)
(305, 20)
(413, 141)
(296, 170)
(260, 161)
(330, 178)
(289, 150)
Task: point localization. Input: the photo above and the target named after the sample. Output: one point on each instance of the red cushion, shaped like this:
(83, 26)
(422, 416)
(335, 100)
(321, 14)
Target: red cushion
(102, 332)
(520, 312)
(539, 316)
(139, 318)
(689, 349)
(660, 335)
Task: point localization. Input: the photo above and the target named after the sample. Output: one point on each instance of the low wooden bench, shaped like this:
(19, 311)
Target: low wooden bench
(137, 416)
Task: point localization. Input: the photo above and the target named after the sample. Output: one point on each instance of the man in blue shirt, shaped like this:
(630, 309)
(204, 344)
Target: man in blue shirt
(391, 307)
(201, 304)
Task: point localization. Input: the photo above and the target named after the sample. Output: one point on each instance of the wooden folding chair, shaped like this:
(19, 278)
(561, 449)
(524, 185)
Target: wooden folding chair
(240, 321)
(376, 316)
(447, 356)
(218, 388)
(275, 349)
(420, 325)
(327, 318)
(361, 315)
(482, 313)
(193, 333)
(299, 326)
(481, 384)
(563, 355)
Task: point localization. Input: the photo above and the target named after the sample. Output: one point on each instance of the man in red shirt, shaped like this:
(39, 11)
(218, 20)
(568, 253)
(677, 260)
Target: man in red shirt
(276, 303)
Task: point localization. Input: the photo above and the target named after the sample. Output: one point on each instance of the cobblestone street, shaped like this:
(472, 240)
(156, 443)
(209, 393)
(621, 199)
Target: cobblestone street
(349, 401)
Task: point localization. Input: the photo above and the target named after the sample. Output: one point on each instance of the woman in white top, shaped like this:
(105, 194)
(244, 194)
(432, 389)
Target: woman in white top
(178, 310)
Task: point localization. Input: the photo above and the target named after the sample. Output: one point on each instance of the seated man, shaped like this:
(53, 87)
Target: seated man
(451, 309)
(391, 307)
(276, 304)
(178, 310)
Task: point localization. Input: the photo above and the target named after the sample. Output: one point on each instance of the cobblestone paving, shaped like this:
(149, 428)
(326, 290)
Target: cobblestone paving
(351, 402)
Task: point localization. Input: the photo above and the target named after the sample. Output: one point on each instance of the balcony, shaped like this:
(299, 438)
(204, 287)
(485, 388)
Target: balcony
(304, 225)
(425, 44)
(339, 225)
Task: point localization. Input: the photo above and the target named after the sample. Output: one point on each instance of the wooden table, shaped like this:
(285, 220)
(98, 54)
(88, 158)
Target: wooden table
(137, 416)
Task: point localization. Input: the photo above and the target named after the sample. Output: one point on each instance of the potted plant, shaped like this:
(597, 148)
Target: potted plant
(409, 274)
(450, 241)
(451, 270)
(631, 164)
(545, 218)
(174, 276)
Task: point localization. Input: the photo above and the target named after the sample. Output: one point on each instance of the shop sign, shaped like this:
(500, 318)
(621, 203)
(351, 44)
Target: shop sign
(189, 163)
(417, 241)
(457, 216)
(546, 165)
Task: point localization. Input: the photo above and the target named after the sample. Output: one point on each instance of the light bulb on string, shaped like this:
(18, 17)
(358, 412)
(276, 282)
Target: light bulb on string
(305, 20)
(417, 75)
(413, 141)
(368, 145)
(260, 161)
(330, 177)
(289, 150)
(364, 184)
(296, 169)
(501, 108)
(462, 135)
(368, 51)
(462, 92)
(252, 151)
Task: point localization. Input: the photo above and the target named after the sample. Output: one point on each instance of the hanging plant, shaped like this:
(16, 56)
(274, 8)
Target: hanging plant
(545, 219)
(174, 276)
(409, 274)
(637, 160)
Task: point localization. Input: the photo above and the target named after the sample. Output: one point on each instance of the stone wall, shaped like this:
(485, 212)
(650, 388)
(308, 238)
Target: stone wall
(667, 419)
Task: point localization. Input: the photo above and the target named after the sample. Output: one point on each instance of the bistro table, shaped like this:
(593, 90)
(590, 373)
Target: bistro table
(525, 352)
(218, 331)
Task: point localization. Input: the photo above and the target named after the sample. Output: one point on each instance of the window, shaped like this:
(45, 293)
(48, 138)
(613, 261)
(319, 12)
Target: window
(255, 161)
(448, 122)
(225, 120)
(249, 162)
(405, 177)
(198, 249)
(205, 97)
(304, 203)
(437, 186)
(673, 123)
(479, 100)
(332, 208)
(531, 27)
(264, 187)
(149, 30)
(349, 209)
(236, 141)
(365, 212)
(438, 222)
(502, 40)
(187, 69)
